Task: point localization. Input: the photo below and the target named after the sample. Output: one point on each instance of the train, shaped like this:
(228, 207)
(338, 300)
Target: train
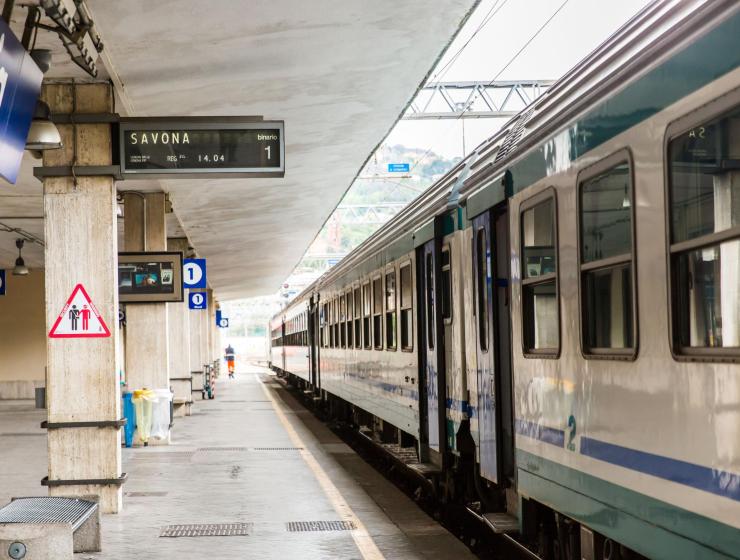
(553, 327)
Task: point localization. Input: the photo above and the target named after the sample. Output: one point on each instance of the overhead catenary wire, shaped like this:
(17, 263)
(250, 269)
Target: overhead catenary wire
(501, 71)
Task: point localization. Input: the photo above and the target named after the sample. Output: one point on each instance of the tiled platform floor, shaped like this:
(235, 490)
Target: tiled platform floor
(222, 467)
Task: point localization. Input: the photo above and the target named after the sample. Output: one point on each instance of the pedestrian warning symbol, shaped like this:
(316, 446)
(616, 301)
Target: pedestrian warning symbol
(79, 318)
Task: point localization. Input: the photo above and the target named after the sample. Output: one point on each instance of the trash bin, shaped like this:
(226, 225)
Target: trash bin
(130, 415)
(40, 395)
(143, 400)
(161, 413)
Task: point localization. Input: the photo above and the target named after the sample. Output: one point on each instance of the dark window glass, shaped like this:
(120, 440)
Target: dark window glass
(366, 307)
(607, 292)
(378, 313)
(358, 323)
(407, 308)
(482, 282)
(350, 314)
(390, 310)
(429, 289)
(540, 319)
(446, 281)
(704, 193)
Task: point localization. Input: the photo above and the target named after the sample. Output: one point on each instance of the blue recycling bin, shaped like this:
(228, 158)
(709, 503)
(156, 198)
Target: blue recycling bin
(130, 416)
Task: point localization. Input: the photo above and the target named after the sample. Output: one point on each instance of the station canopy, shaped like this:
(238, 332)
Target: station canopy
(339, 73)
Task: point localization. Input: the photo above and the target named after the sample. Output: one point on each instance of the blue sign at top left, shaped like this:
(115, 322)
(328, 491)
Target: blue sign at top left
(194, 273)
(20, 83)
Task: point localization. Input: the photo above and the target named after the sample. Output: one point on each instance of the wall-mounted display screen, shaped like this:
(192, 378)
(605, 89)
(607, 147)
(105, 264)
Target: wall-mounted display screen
(149, 277)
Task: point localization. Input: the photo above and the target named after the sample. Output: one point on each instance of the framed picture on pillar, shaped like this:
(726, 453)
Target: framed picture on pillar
(150, 277)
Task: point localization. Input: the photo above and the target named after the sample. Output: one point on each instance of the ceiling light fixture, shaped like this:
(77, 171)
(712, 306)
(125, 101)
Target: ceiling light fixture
(20, 266)
(43, 134)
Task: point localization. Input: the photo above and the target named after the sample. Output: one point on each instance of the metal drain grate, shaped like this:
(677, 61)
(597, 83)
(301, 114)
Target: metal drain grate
(302, 526)
(277, 449)
(21, 434)
(215, 449)
(207, 530)
(145, 494)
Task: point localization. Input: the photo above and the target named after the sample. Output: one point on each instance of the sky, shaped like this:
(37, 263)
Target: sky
(577, 29)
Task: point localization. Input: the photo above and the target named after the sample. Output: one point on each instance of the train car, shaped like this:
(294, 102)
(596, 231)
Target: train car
(554, 326)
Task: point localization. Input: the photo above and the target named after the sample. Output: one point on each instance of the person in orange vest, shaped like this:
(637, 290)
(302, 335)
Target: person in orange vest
(229, 356)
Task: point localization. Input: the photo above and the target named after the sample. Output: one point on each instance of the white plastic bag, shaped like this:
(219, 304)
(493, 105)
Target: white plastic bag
(161, 414)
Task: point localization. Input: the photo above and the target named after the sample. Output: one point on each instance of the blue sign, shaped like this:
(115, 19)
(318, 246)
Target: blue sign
(194, 273)
(2, 282)
(197, 301)
(20, 84)
(223, 322)
(218, 317)
(399, 167)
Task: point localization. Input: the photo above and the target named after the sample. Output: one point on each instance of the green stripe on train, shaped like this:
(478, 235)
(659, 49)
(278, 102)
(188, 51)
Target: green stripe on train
(622, 514)
(708, 58)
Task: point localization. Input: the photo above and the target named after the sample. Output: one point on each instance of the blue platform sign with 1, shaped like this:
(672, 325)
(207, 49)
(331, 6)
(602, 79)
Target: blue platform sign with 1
(197, 300)
(194, 273)
(2, 282)
(223, 322)
(20, 84)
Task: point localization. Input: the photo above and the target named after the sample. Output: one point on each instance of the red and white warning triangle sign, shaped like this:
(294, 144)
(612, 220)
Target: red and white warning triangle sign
(79, 318)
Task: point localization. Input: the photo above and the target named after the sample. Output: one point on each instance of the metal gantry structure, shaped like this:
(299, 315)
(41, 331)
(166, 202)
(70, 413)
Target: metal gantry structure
(474, 100)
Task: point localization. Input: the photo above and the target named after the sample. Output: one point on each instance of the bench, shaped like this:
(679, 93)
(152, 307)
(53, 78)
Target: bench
(49, 527)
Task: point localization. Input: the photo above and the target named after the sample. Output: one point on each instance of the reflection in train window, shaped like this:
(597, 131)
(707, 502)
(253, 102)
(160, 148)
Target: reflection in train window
(482, 283)
(429, 291)
(350, 314)
(366, 303)
(704, 193)
(607, 291)
(358, 318)
(446, 281)
(390, 310)
(540, 312)
(378, 313)
(407, 308)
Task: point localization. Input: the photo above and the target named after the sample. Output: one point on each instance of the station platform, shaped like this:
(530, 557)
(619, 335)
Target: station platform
(254, 461)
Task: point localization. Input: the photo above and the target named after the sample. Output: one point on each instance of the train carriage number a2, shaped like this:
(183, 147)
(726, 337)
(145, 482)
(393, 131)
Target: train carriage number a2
(572, 436)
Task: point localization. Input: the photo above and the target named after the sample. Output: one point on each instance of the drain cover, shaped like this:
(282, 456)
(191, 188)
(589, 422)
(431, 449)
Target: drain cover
(146, 494)
(277, 449)
(163, 456)
(21, 434)
(212, 449)
(299, 526)
(207, 530)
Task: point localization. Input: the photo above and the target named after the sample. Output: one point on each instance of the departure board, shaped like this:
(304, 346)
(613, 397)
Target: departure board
(187, 147)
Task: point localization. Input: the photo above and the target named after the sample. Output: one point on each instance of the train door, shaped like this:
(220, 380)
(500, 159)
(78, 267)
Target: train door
(493, 343)
(502, 337)
(432, 382)
(313, 346)
(282, 347)
(487, 421)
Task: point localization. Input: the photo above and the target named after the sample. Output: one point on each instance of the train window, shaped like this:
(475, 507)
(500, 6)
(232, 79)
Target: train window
(407, 308)
(704, 199)
(358, 318)
(446, 281)
(540, 306)
(429, 277)
(608, 322)
(378, 313)
(342, 320)
(481, 258)
(323, 320)
(390, 310)
(350, 313)
(336, 324)
(366, 315)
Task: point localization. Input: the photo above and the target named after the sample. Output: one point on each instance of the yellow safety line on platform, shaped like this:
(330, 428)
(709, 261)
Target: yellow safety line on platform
(362, 538)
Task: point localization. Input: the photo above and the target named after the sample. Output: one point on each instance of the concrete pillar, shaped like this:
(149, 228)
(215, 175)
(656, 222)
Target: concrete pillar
(147, 341)
(82, 248)
(178, 317)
